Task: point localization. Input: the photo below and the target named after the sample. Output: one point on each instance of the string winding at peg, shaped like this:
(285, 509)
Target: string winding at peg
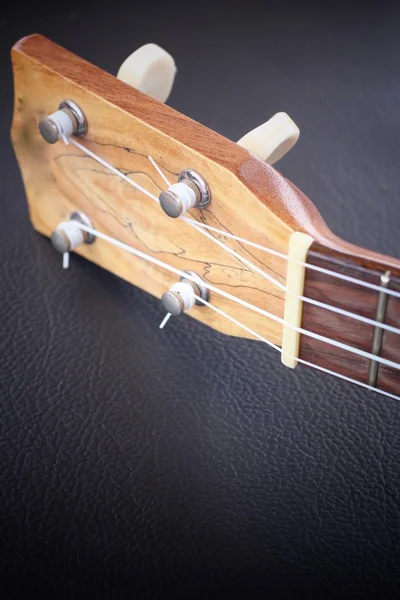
(68, 235)
(182, 295)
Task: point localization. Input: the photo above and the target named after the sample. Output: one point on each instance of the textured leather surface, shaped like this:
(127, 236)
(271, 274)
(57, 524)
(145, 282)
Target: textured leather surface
(144, 464)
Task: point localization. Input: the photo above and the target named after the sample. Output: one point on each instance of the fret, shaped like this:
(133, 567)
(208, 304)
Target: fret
(388, 377)
(354, 298)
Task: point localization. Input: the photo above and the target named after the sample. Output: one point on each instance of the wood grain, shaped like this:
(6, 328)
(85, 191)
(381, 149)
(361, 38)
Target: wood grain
(353, 298)
(125, 127)
(389, 378)
(249, 198)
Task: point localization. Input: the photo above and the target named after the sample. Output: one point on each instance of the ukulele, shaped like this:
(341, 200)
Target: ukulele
(206, 224)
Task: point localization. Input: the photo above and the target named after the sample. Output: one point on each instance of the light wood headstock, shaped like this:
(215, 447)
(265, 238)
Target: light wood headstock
(117, 174)
(250, 199)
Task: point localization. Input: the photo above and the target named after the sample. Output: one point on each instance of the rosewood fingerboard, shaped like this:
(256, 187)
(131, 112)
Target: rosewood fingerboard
(389, 379)
(356, 299)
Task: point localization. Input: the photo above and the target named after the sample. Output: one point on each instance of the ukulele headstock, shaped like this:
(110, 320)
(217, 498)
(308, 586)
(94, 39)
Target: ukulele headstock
(156, 147)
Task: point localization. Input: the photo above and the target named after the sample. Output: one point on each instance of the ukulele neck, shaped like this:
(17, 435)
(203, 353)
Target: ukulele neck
(368, 303)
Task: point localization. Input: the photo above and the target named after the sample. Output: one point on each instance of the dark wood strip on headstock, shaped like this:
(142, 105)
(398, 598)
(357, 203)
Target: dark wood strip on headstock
(356, 299)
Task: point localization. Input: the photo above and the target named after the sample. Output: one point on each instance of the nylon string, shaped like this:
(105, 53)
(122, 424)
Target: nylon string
(197, 226)
(180, 273)
(247, 305)
(304, 362)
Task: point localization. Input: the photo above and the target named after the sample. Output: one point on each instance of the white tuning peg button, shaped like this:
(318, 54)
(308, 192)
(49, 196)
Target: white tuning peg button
(151, 70)
(272, 140)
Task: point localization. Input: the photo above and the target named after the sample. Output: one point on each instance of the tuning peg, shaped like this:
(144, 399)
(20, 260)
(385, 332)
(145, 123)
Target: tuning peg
(272, 140)
(68, 235)
(151, 70)
(181, 296)
(68, 120)
(191, 191)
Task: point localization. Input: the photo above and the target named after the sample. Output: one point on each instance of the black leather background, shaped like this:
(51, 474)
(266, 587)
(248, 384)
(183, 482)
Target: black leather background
(144, 464)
